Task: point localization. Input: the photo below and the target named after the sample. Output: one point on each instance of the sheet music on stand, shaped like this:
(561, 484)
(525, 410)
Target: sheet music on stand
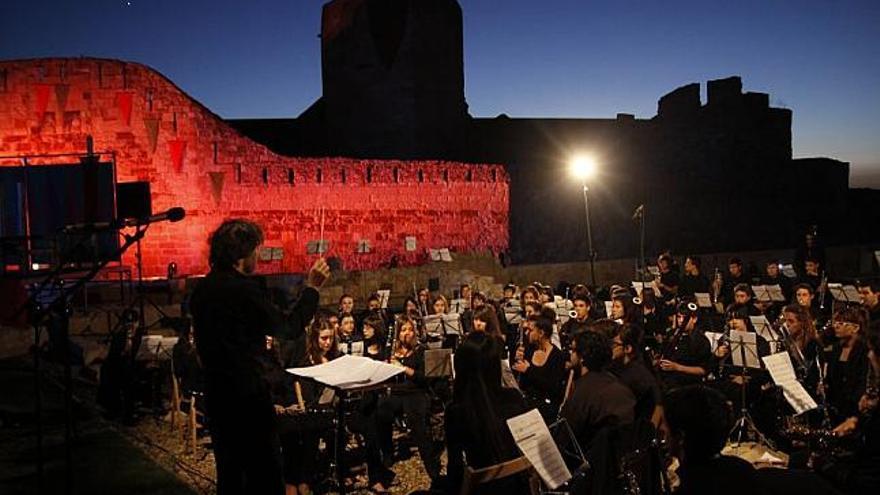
(384, 296)
(433, 325)
(654, 270)
(451, 323)
(458, 306)
(703, 299)
(713, 338)
(438, 363)
(354, 348)
(534, 440)
(744, 345)
(507, 378)
(513, 315)
(156, 347)
(783, 375)
(844, 293)
(763, 328)
(768, 293)
(641, 286)
(788, 271)
(609, 308)
(349, 372)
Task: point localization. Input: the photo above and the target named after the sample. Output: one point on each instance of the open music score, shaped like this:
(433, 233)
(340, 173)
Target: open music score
(783, 375)
(533, 438)
(768, 293)
(349, 372)
(844, 293)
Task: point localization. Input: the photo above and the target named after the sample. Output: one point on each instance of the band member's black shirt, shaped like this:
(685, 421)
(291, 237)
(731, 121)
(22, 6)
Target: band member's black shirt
(691, 284)
(689, 350)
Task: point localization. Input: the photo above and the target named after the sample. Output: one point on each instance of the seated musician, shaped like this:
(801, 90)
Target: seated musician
(346, 304)
(735, 276)
(686, 355)
(348, 335)
(847, 374)
(581, 305)
(187, 366)
(529, 294)
(699, 420)
(509, 292)
(475, 420)
(802, 343)
(629, 368)
(731, 377)
(693, 281)
(408, 396)
(869, 294)
(300, 435)
(541, 366)
(743, 299)
(373, 331)
(599, 399)
(668, 281)
(439, 306)
(860, 473)
(773, 276)
(626, 311)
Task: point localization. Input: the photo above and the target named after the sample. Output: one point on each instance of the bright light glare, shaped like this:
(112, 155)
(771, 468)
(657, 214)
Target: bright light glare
(583, 167)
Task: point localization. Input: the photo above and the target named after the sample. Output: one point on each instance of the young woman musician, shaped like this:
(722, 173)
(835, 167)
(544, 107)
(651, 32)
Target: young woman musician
(624, 308)
(299, 438)
(542, 368)
(373, 330)
(408, 397)
(439, 306)
(847, 368)
(475, 420)
(802, 343)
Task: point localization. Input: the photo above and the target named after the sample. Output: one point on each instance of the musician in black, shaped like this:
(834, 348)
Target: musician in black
(541, 366)
(686, 355)
(625, 310)
(735, 276)
(628, 366)
(373, 331)
(599, 399)
(581, 306)
(802, 343)
(693, 281)
(231, 317)
(847, 367)
(301, 426)
(408, 396)
(669, 278)
(346, 304)
(812, 273)
(187, 366)
(475, 420)
(350, 340)
(869, 293)
(773, 276)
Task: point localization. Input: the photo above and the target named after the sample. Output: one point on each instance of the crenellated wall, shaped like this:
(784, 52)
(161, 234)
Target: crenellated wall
(193, 159)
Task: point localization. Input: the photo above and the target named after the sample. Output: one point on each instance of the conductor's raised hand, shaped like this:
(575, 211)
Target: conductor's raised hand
(319, 273)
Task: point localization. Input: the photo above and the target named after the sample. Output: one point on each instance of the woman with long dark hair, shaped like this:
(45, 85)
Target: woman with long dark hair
(476, 419)
(542, 368)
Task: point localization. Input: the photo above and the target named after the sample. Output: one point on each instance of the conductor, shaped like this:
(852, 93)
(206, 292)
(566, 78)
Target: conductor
(231, 317)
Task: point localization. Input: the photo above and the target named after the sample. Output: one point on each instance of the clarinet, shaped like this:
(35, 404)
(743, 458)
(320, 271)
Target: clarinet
(823, 286)
(391, 341)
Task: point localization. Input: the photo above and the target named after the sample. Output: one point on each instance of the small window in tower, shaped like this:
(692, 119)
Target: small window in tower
(469, 176)
(265, 175)
(421, 175)
(494, 175)
(396, 174)
(3, 80)
(446, 176)
(291, 176)
(238, 173)
(319, 176)
(369, 173)
(342, 175)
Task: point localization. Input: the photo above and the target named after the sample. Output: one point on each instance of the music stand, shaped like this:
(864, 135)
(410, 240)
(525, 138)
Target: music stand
(437, 363)
(744, 354)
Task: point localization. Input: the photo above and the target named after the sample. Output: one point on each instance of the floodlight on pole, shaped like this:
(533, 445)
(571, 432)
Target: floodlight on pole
(584, 167)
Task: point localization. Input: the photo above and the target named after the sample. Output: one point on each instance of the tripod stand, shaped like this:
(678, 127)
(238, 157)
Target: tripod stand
(744, 426)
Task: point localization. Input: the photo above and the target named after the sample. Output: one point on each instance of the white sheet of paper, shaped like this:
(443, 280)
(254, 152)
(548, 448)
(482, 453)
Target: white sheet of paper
(609, 306)
(713, 339)
(783, 375)
(349, 372)
(445, 255)
(852, 294)
(639, 287)
(654, 270)
(507, 378)
(451, 324)
(749, 343)
(534, 440)
(703, 299)
(435, 254)
(762, 326)
(761, 293)
(788, 271)
(384, 296)
(776, 294)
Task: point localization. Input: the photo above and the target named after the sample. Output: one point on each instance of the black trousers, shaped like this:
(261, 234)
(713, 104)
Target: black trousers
(415, 406)
(247, 450)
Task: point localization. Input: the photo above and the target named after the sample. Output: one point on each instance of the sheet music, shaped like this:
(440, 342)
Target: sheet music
(762, 326)
(654, 270)
(349, 372)
(458, 305)
(445, 255)
(534, 440)
(433, 324)
(437, 362)
(639, 287)
(761, 293)
(507, 378)
(744, 343)
(609, 305)
(451, 324)
(384, 296)
(655, 286)
(783, 375)
(713, 337)
(788, 271)
(852, 294)
(776, 294)
(703, 299)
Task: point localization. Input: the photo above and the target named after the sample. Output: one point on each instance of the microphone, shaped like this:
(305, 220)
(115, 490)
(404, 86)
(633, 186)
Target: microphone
(175, 214)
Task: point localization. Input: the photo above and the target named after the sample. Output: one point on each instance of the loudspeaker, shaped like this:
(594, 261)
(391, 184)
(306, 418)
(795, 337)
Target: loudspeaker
(133, 200)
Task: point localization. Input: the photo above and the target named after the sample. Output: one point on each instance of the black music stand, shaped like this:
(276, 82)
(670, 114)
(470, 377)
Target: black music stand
(744, 354)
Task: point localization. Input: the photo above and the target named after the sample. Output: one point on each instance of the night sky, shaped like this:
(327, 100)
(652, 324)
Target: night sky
(563, 58)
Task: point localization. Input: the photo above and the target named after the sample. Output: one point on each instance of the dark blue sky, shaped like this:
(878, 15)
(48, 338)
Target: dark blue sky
(563, 58)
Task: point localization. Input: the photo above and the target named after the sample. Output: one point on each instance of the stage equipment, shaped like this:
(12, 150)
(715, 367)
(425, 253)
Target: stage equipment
(584, 168)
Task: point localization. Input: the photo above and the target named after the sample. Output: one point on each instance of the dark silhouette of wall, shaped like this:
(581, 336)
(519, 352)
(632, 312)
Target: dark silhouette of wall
(714, 176)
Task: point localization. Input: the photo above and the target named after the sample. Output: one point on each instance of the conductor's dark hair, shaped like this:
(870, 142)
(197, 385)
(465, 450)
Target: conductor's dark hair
(594, 350)
(697, 262)
(700, 415)
(233, 240)
(735, 261)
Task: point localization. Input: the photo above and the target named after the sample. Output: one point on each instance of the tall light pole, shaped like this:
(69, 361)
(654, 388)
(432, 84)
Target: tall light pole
(584, 167)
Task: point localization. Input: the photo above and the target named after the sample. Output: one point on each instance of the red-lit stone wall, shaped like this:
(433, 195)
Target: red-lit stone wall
(194, 160)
